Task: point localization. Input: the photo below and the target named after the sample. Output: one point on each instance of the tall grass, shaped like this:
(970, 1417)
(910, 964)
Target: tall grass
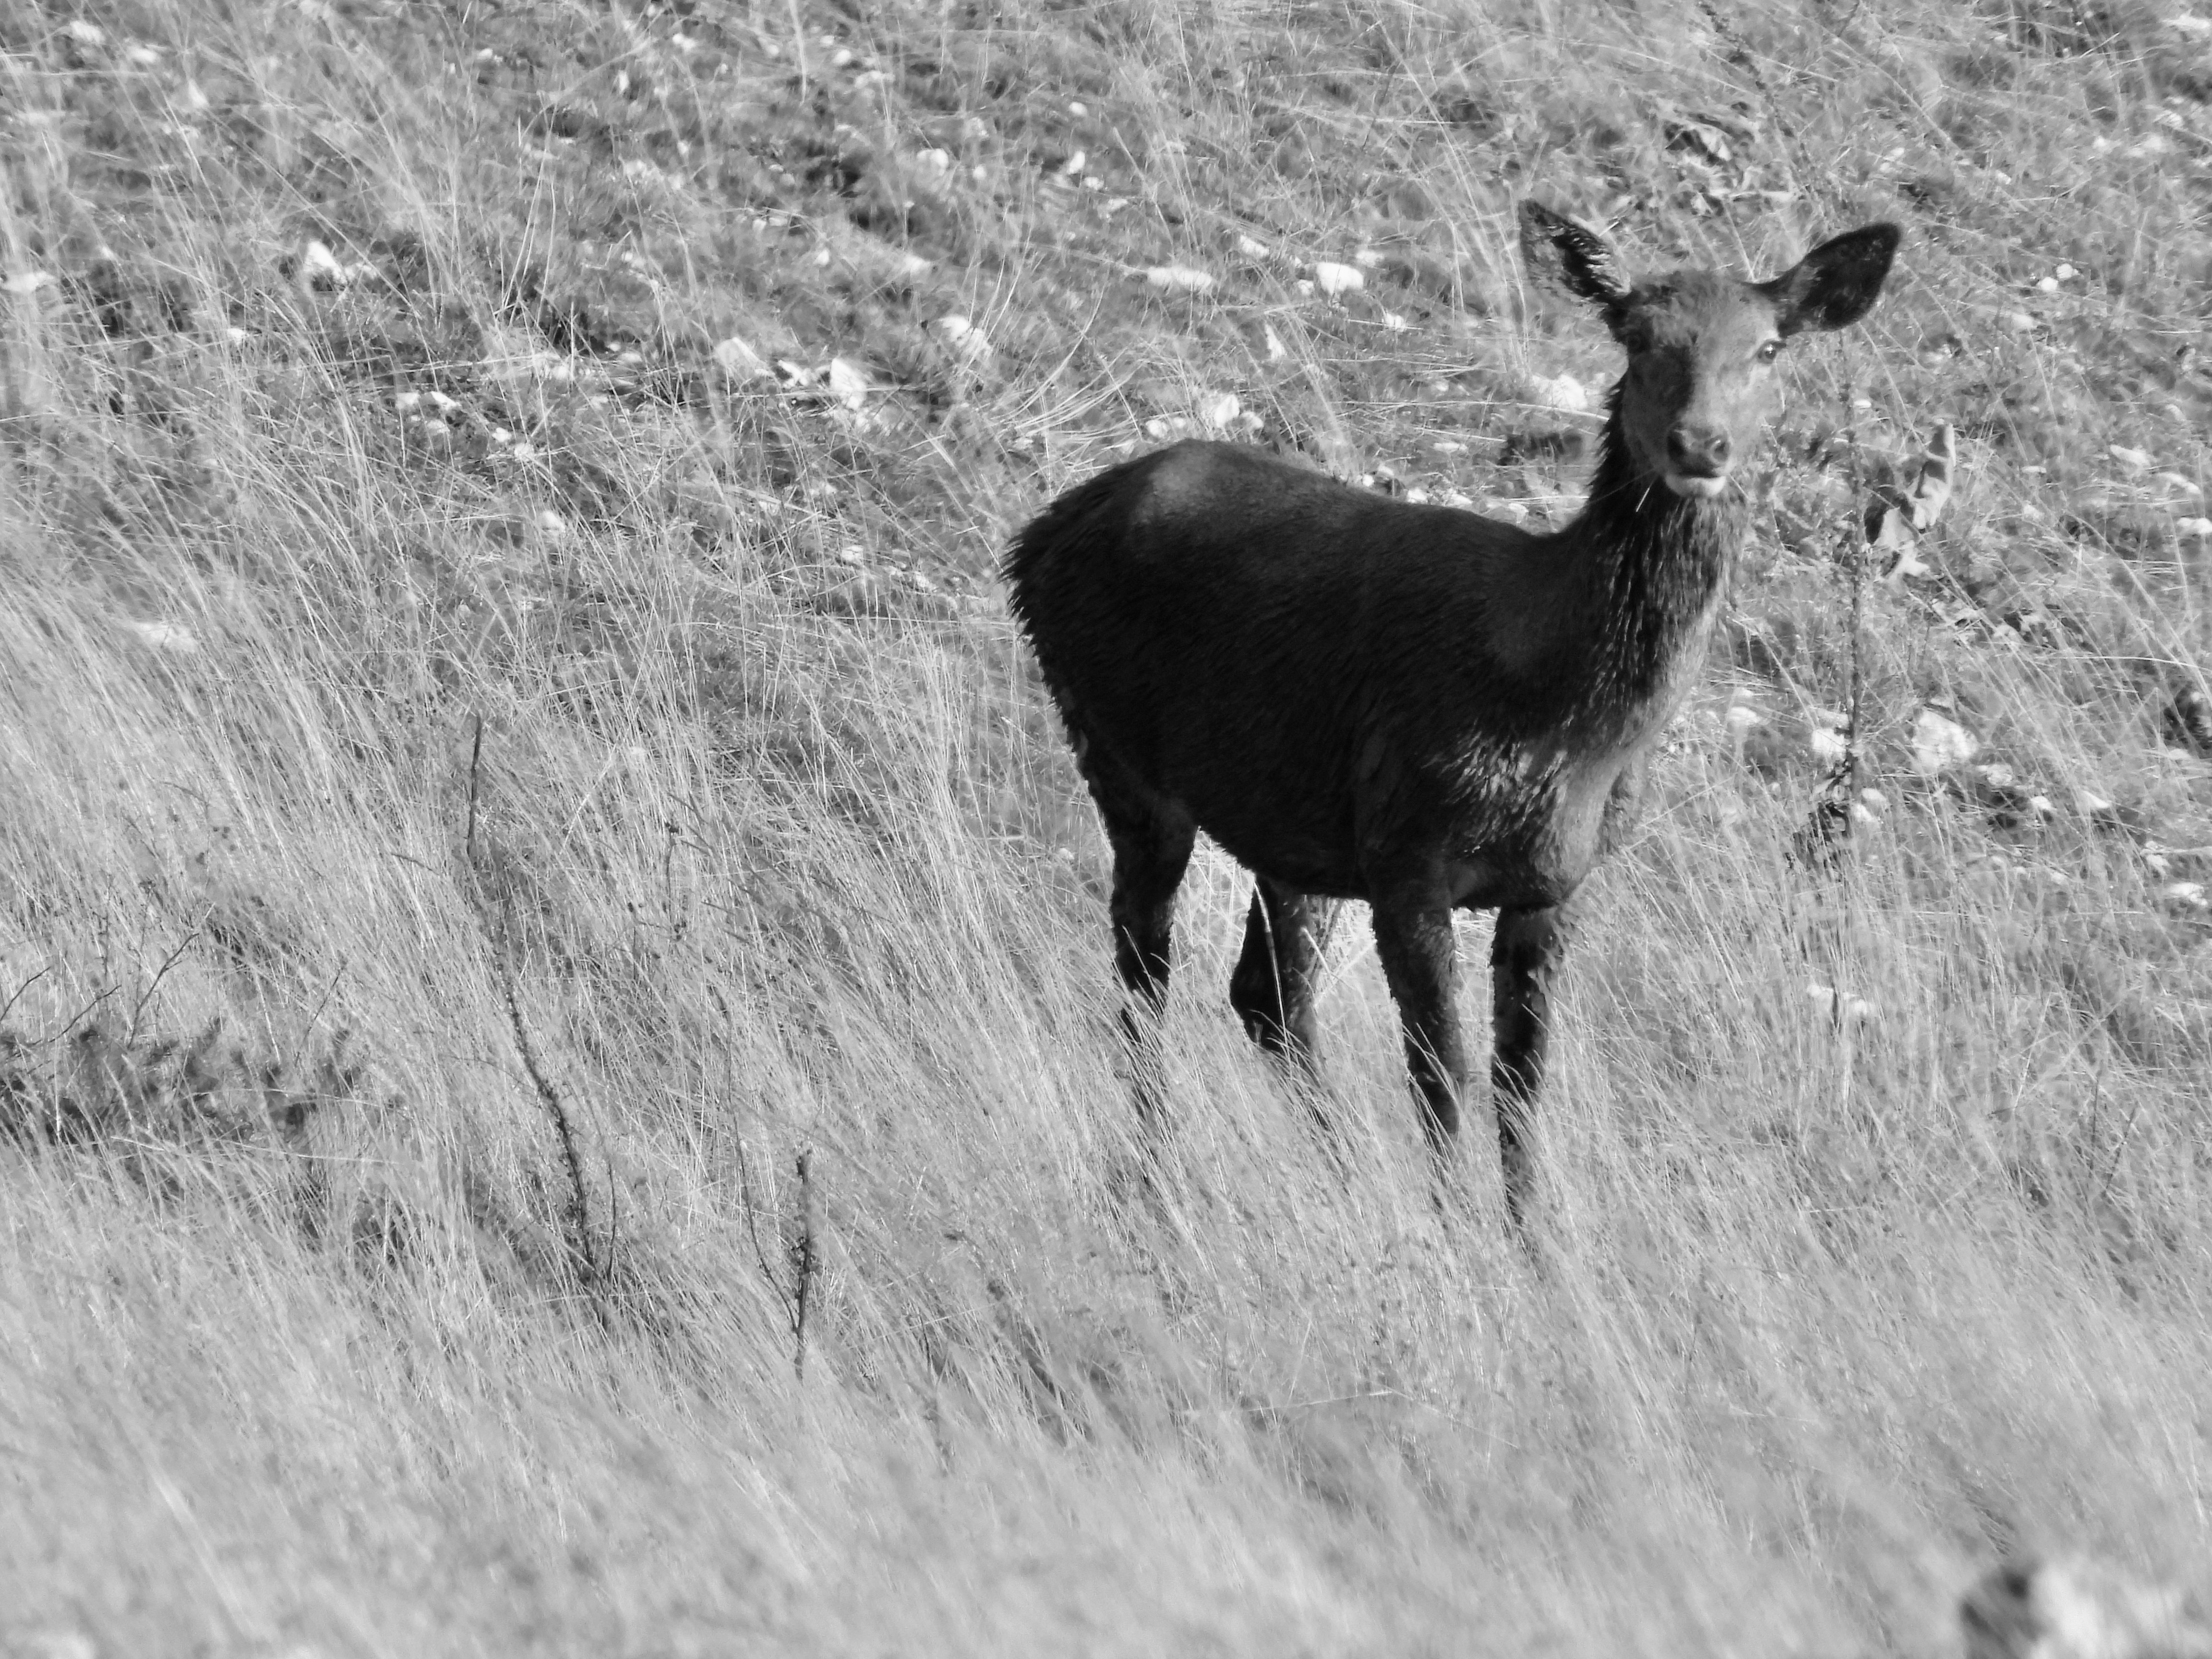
(341, 759)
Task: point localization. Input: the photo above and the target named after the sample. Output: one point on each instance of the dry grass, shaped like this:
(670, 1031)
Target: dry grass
(679, 733)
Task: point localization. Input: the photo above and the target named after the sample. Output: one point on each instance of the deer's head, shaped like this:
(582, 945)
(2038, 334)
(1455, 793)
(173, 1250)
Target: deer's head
(1702, 346)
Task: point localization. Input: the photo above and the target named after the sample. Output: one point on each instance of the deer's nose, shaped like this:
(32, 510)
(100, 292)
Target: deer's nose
(1699, 450)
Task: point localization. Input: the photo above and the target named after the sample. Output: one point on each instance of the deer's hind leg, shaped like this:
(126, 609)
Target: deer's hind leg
(1151, 837)
(1275, 986)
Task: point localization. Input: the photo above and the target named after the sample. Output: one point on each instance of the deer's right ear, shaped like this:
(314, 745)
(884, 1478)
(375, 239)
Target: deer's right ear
(1571, 256)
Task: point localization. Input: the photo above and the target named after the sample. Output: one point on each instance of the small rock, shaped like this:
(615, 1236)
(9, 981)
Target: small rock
(862, 594)
(84, 34)
(2076, 1608)
(739, 362)
(2189, 721)
(1077, 108)
(552, 524)
(962, 338)
(2019, 322)
(1562, 392)
(2048, 284)
(1742, 718)
(2133, 462)
(2090, 804)
(849, 382)
(1217, 409)
(165, 637)
(27, 283)
(1838, 1009)
(1273, 342)
(1336, 280)
(1939, 743)
(1179, 279)
(2184, 895)
(2193, 530)
(1252, 247)
(2065, 273)
(320, 271)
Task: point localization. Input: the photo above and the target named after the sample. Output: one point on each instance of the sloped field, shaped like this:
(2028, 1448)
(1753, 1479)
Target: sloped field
(510, 740)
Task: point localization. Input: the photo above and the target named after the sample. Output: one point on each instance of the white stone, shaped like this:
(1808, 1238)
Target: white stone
(849, 382)
(1336, 280)
(1179, 279)
(739, 362)
(165, 637)
(1217, 410)
(1560, 391)
(1939, 743)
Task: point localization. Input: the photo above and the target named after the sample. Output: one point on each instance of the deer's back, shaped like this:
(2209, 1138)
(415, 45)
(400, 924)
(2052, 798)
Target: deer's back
(1308, 668)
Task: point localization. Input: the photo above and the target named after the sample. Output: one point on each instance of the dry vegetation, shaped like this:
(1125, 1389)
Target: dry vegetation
(493, 769)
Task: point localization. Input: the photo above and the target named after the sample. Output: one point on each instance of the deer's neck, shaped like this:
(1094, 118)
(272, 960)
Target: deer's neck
(1656, 562)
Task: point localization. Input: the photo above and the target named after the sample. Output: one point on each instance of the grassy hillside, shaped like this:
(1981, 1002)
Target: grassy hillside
(510, 740)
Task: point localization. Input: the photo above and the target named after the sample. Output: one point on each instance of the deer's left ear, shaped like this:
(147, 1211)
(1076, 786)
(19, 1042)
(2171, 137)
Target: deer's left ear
(1835, 284)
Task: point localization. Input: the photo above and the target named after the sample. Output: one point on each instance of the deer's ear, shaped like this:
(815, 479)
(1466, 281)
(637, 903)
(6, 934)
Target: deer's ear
(1568, 255)
(1835, 284)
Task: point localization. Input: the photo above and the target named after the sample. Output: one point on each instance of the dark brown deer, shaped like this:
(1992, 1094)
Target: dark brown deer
(1416, 706)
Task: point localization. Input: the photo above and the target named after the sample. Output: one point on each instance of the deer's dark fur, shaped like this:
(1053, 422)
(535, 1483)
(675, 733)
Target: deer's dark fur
(1415, 706)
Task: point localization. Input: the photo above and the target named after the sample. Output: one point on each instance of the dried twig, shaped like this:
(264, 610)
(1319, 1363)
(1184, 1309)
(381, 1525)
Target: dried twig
(160, 973)
(580, 1237)
(476, 756)
(806, 1259)
(752, 1228)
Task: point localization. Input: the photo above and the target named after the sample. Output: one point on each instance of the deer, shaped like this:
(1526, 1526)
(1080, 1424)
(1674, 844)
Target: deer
(1362, 697)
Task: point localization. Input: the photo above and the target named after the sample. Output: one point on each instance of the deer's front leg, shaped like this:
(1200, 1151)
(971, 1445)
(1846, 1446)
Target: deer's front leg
(1523, 956)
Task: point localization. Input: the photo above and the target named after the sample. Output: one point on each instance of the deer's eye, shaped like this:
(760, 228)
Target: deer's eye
(1770, 351)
